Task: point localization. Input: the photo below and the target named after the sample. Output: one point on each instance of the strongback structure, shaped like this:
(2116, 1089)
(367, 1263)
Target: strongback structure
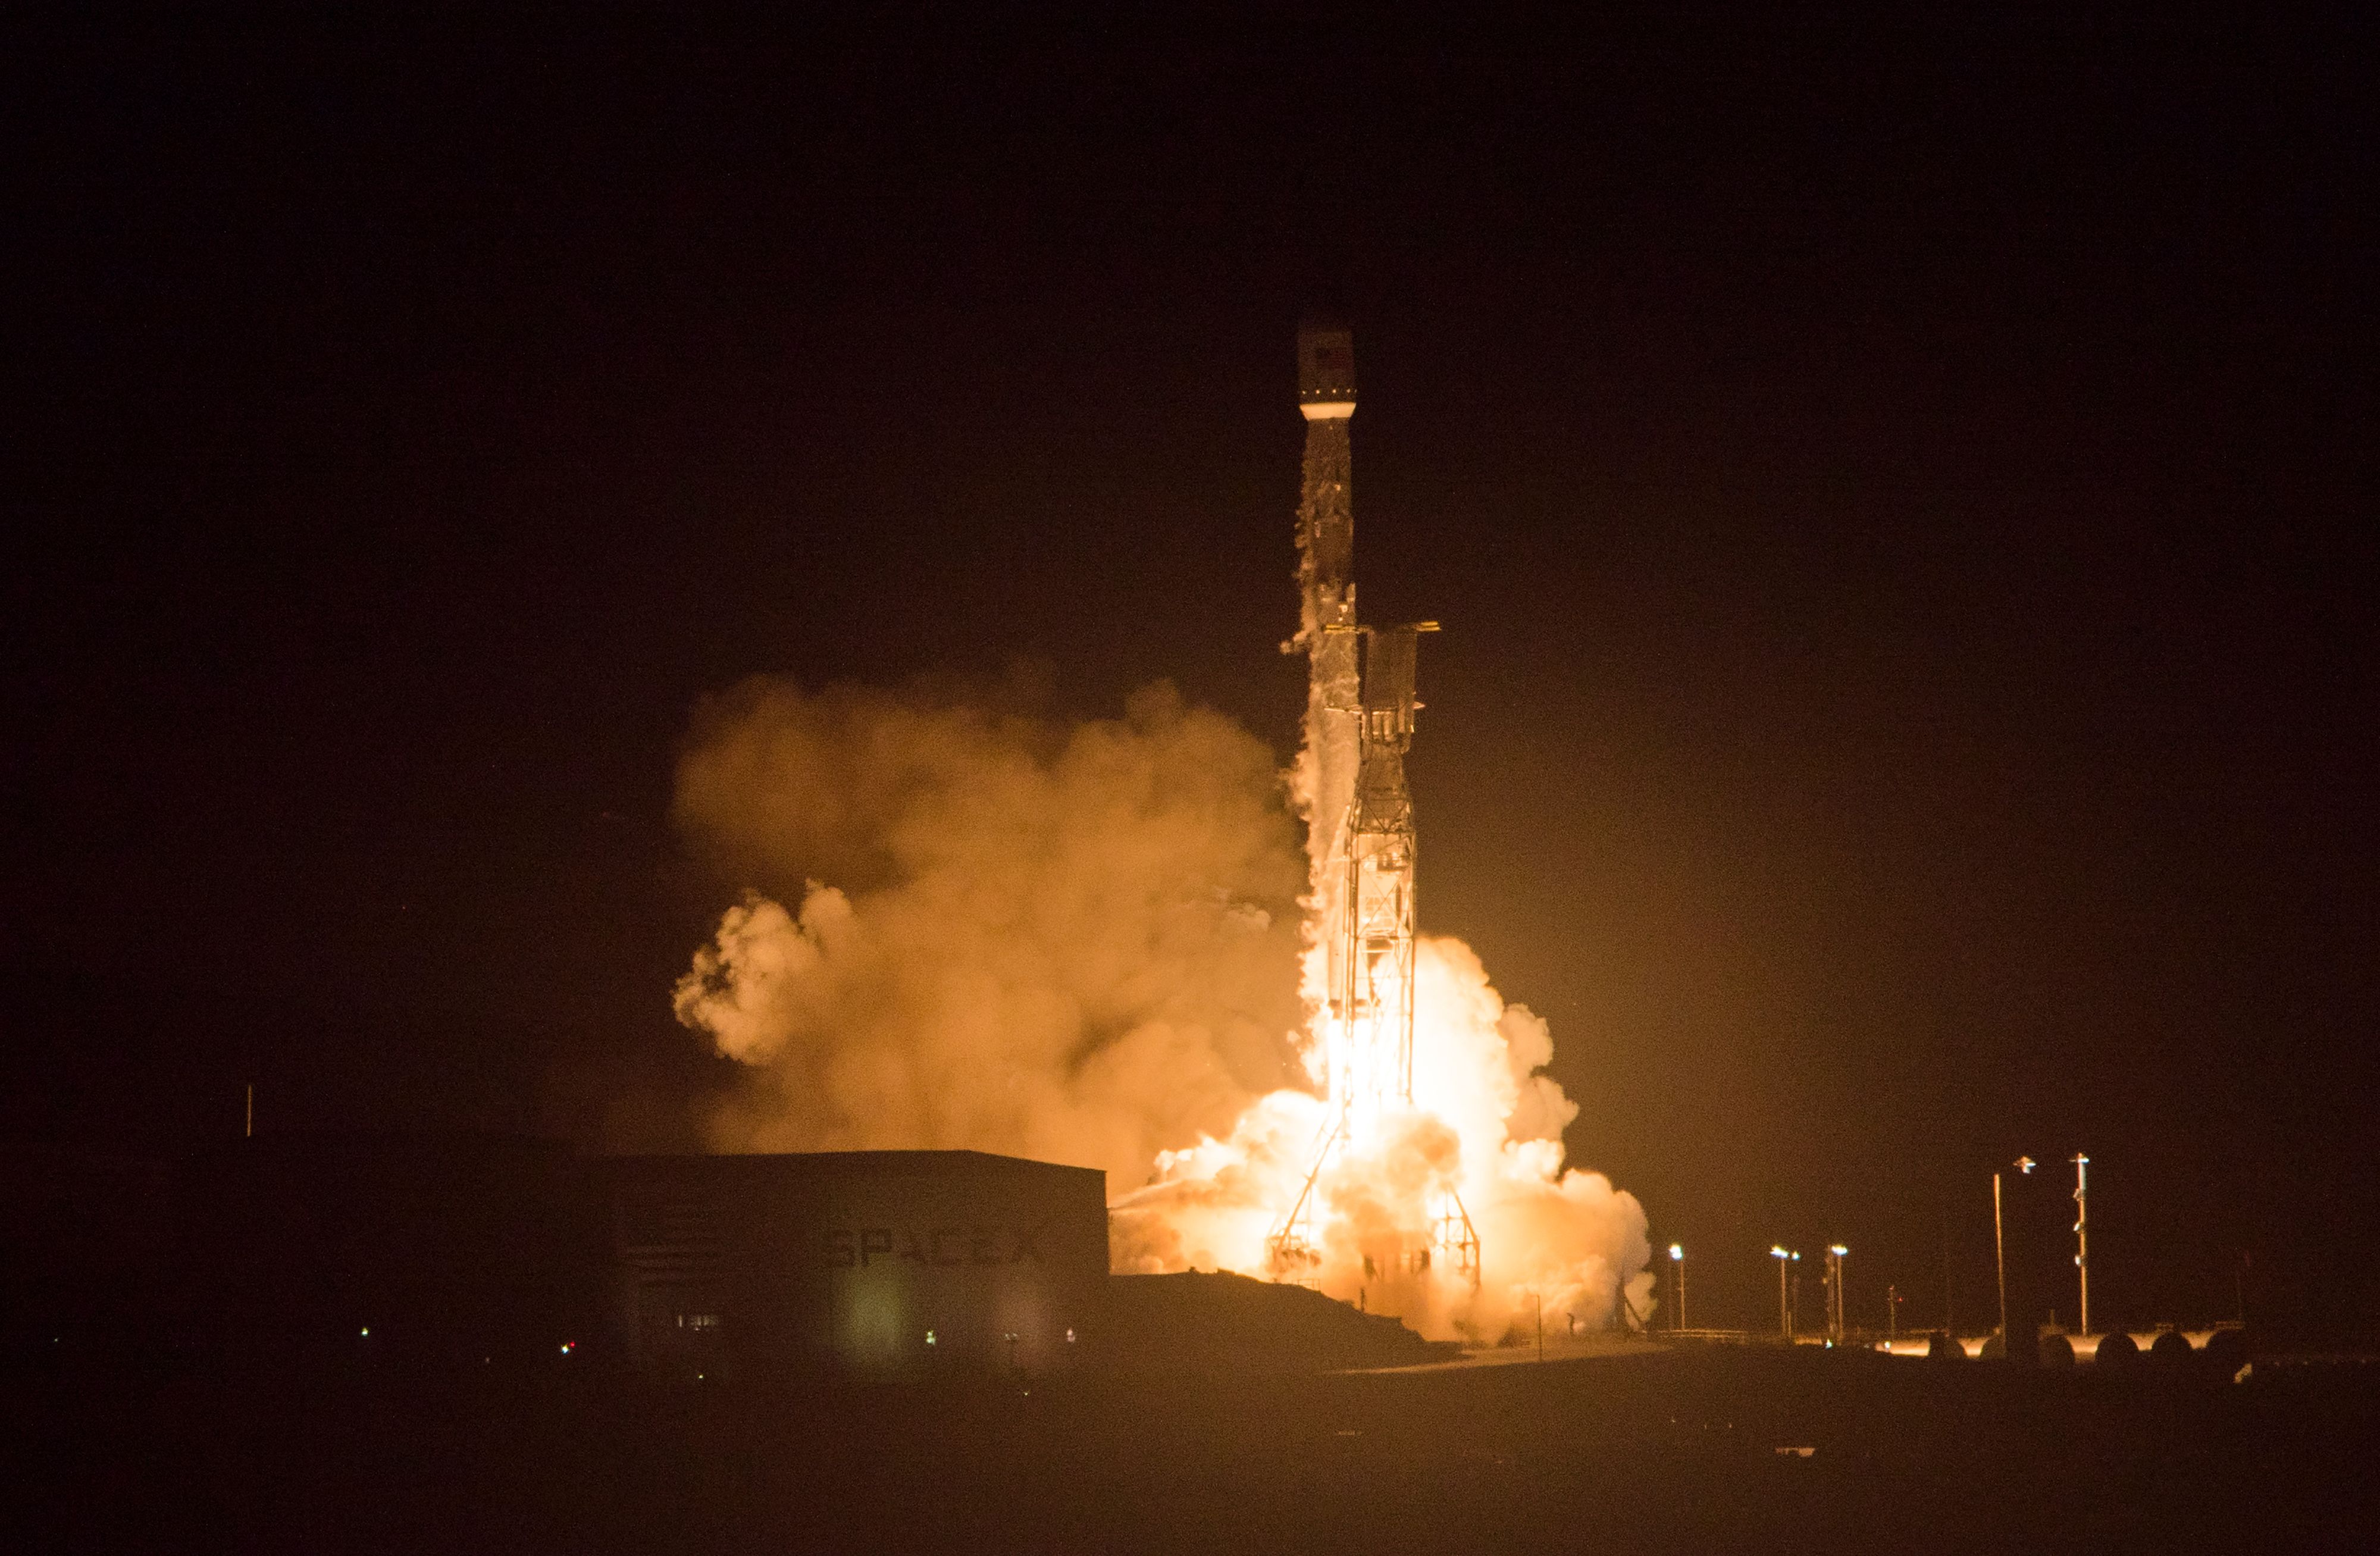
(1373, 998)
(1359, 723)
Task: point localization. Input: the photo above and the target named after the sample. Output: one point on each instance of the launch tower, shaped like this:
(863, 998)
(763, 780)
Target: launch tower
(1359, 724)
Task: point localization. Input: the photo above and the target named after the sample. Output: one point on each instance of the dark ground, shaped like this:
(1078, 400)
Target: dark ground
(1669, 1453)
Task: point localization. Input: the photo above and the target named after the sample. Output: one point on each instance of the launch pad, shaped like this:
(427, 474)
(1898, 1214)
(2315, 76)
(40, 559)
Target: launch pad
(1360, 837)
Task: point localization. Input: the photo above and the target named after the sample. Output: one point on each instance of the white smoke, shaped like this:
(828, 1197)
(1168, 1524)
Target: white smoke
(1073, 943)
(1082, 943)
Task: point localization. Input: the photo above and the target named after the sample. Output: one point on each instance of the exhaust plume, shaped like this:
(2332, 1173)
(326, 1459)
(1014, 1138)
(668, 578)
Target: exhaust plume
(967, 929)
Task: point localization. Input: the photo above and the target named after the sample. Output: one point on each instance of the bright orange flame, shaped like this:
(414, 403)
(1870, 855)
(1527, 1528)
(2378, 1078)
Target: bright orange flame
(1487, 1125)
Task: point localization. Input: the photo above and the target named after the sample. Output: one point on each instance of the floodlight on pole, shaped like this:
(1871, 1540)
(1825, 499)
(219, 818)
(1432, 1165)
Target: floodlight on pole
(2000, 1258)
(1678, 1258)
(1783, 1255)
(2000, 1244)
(2082, 1233)
(1836, 1253)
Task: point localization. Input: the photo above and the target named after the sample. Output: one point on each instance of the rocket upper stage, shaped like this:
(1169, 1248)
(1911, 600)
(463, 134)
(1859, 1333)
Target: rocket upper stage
(1326, 371)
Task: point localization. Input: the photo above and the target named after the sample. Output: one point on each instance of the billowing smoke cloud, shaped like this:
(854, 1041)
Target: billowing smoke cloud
(969, 929)
(984, 931)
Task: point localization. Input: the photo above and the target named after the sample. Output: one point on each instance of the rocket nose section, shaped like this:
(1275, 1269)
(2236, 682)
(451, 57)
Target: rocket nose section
(1326, 367)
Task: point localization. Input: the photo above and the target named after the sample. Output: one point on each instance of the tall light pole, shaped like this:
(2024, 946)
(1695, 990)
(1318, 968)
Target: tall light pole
(1999, 1256)
(1836, 1253)
(1784, 1297)
(1677, 1262)
(2082, 1233)
(1999, 1248)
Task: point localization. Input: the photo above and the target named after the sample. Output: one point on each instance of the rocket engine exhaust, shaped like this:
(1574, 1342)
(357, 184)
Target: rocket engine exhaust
(1096, 943)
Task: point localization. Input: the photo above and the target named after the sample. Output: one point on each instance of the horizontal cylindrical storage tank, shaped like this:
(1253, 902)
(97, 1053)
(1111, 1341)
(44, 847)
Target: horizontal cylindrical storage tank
(2225, 1351)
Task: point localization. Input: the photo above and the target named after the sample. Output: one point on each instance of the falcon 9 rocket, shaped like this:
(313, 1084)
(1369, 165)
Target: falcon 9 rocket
(1359, 722)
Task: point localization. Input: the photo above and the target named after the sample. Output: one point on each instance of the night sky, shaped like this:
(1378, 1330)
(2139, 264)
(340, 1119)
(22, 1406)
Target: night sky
(1898, 503)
